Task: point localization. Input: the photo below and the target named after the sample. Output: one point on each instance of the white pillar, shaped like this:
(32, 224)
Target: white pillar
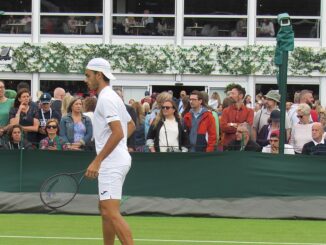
(322, 91)
(36, 19)
(179, 21)
(107, 21)
(251, 33)
(35, 85)
(322, 27)
(251, 90)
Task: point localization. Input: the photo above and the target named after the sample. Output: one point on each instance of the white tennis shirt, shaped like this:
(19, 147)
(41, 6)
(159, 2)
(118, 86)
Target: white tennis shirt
(109, 108)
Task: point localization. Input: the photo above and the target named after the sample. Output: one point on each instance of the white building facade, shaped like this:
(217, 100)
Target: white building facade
(167, 23)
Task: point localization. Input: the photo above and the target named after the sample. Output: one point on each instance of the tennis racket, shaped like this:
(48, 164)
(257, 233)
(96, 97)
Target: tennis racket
(60, 189)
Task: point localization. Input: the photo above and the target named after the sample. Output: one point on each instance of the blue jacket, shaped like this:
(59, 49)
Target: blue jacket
(67, 128)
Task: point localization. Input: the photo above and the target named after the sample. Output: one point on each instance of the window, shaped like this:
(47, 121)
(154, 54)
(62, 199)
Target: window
(215, 18)
(305, 17)
(17, 18)
(144, 17)
(216, 7)
(73, 87)
(78, 17)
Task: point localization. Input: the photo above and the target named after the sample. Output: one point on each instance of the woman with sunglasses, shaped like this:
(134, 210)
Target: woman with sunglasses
(301, 132)
(17, 140)
(53, 141)
(166, 134)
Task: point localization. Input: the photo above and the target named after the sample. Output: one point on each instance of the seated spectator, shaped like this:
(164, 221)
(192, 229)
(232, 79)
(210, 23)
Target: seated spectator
(76, 128)
(16, 139)
(45, 113)
(26, 115)
(166, 133)
(301, 132)
(274, 143)
(266, 29)
(318, 144)
(265, 132)
(242, 140)
(53, 141)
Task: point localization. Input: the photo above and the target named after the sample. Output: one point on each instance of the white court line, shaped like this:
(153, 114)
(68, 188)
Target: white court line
(161, 240)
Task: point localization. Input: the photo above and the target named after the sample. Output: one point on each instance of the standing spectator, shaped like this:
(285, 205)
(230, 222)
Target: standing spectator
(53, 141)
(247, 101)
(214, 101)
(318, 144)
(301, 132)
(76, 128)
(89, 105)
(17, 140)
(322, 118)
(166, 133)
(305, 96)
(58, 95)
(65, 104)
(242, 140)
(183, 94)
(261, 118)
(25, 115)
(5, 106)
(200, 124)
(140, 127)
(131, 140)
(45, 113)
(147, 98)
(234, 115)
(274, 143)
(159, 101)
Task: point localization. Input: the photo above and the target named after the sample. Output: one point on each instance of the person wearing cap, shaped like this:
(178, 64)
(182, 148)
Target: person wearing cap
(45, 113)
(274, 142)
(265, 132)
(112, 126)
(261, 117)
(301, 132)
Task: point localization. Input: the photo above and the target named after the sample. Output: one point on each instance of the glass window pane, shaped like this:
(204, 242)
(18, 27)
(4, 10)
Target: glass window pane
(16, 5)
(138, 7)
(15, 24)
(216, 7)
(73, 87)
(306, 28)
(266, 28)
(72, 6)
(150, 26)
(79, 25)
(215, 27)
(298, 7)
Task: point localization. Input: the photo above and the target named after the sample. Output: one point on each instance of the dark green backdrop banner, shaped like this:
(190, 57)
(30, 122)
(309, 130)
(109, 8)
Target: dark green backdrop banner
(188, 175)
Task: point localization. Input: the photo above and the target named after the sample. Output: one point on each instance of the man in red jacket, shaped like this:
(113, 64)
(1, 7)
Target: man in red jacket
(200, 124)
(234, 115)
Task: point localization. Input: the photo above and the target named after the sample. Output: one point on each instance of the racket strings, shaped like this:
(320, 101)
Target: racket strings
(59, 190)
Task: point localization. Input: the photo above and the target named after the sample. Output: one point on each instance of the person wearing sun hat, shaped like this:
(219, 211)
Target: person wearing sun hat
(112, 126)
(261, 117)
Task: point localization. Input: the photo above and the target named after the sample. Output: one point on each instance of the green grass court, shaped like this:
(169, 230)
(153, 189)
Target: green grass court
(27, 229)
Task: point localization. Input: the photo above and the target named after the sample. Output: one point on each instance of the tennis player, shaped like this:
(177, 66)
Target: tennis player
(112, 126)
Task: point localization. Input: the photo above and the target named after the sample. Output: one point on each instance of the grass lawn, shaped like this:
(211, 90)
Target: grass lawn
(16, 229)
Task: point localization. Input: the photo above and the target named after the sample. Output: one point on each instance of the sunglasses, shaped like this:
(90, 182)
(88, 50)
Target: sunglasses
(51, 126)
(167, 107)
(299, 116)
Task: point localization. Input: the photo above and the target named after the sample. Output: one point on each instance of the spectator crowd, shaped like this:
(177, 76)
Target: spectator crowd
(194, 122)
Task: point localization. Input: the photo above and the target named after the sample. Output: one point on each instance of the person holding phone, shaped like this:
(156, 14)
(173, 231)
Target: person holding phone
(53, 141)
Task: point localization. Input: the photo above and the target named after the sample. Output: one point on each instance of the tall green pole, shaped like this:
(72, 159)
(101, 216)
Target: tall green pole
(285, 43)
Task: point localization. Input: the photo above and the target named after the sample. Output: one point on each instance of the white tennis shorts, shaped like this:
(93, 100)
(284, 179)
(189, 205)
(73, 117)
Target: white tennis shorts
(110, 182)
